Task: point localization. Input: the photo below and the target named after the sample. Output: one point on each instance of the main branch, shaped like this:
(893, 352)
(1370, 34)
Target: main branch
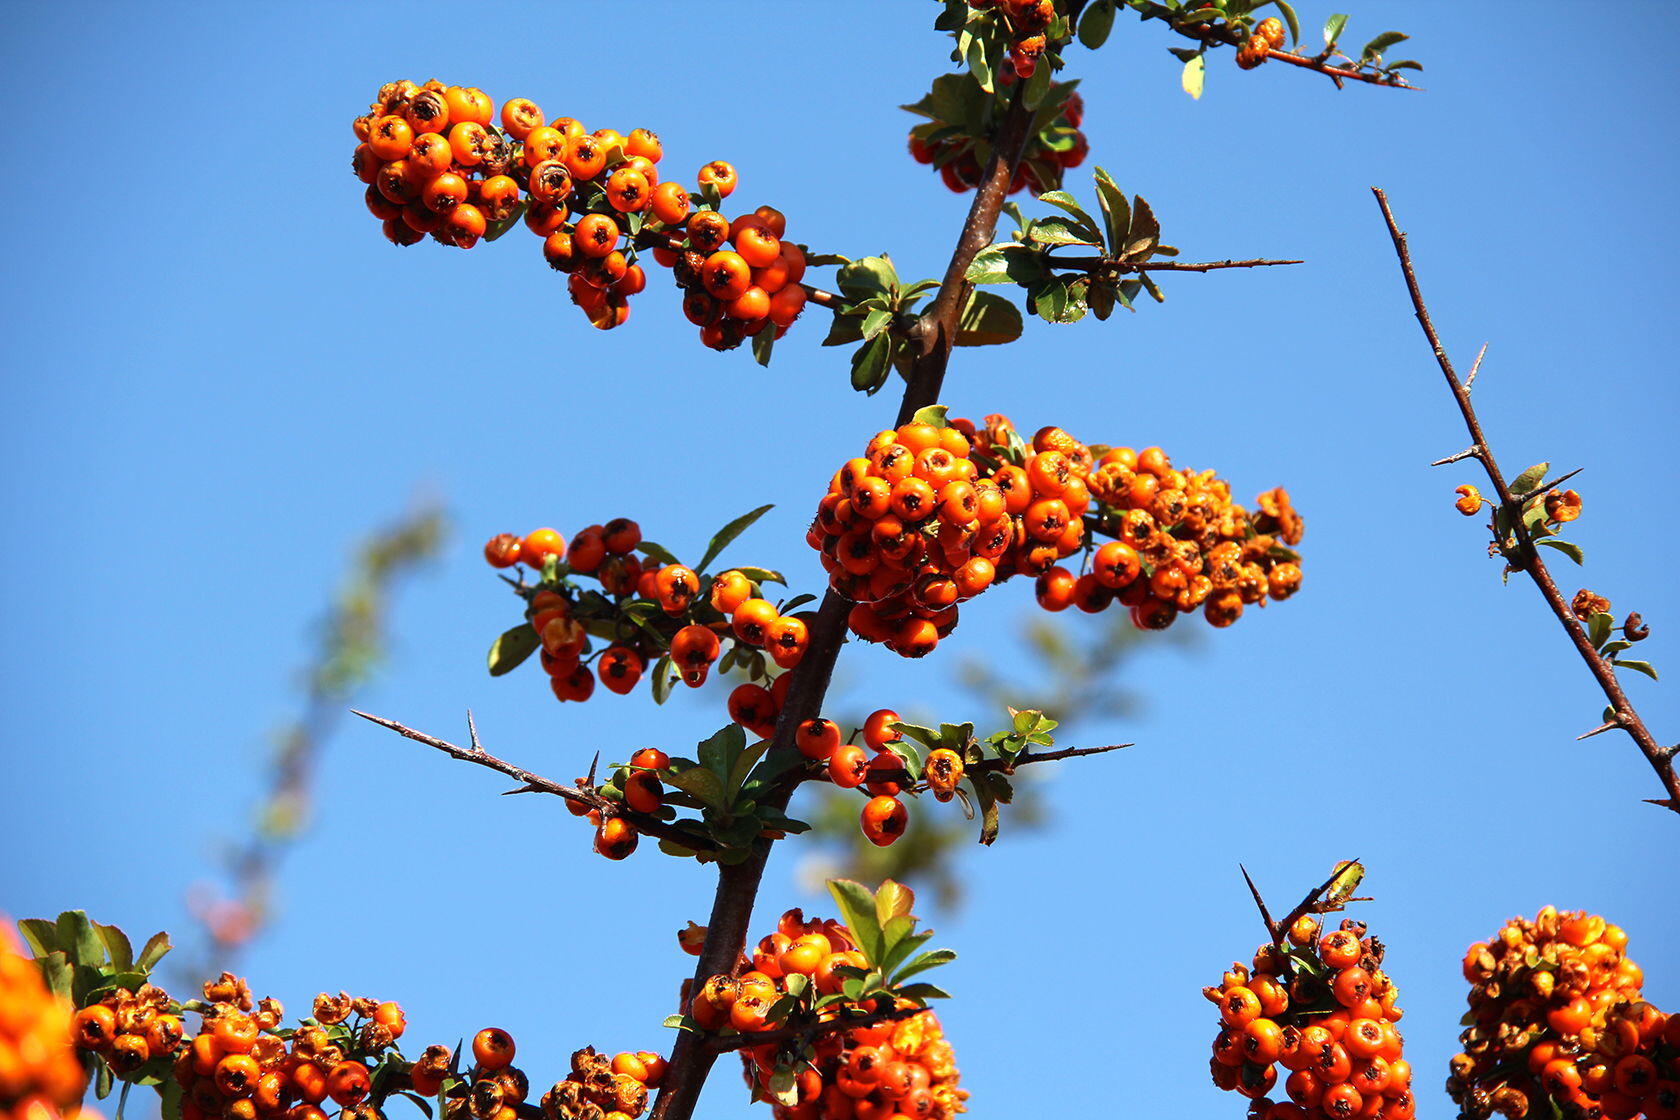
(1526, 556)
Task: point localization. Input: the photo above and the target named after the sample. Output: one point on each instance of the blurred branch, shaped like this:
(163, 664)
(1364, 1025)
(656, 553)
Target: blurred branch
(352, 642)
(1525, 557)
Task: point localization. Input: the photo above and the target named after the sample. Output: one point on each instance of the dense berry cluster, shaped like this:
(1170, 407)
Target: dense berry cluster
(930, 516)
(900, 1067)
(598, 1089)
(1059, 146)
(40, 1078)
(1633, 1068)
(1541, 993)
(644, 611)
(1325, 1011)
(130, 1028)
(437, 162)
(241, 1065)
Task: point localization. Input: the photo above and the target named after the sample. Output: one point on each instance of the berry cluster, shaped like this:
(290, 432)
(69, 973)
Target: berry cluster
(242, 1066)
(881, 775)
(40, 1078)
(883, 1070)
(738, 277)
(1061, 145)
(1633, 1068)
(638, 787)
(644, 611)
(1026, 23)
(1325, 1011)
(436, 164)
(931, 516)
(598, 1088)
(1540, 995)
(1268, 36)
(128, 1029)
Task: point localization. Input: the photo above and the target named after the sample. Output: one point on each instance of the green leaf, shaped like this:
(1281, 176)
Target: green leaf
(1117, 214)
(153, 951)
(117, 947)
(985, 795)
(1145, 233)
(81, 944)
(903, 946)
(745, 760)
(797, 601)
(870, 364)
(672, 848)
(57, 972)
(728, 533)
(662, 679)
(40, 934)
(102, 1080)
(761, 575)
(1616, 646)
(1006, 262)
(1082, 221)
(1333, 28)
(1638, 667)
(1194, 77)
(1051, 302)
(496, 229)
(1568, 548)
(1060, 231)
(657, 552)
(1599, 627)
(512, 648)
(868, 276)
(978, 64)
(762, 343)
(1530, 478)
(1289, 18)
(170, 1094)
(893, 900)
(933, 958)
(933, 414)
(988, 320)
(1038, 86)
(857, 909)
(1381, 43)
(1096, 23)
(719, 752)
(845, 329)
(702, 783)
(877, 320)
(921, 993)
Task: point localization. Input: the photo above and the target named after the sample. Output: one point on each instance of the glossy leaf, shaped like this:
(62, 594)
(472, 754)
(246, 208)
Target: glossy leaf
(510, 650)
(1568, 548)
(1333, 28)
(728, 533)
(1530, 478)
(988, 320)
(1194, 77)
(1096, 23)
(857, 909)
(1638, 667)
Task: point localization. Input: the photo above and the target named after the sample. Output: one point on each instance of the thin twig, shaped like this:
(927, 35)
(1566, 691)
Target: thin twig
(1306, 905)
(1525, 556)
(1105, 264)
(536, 783)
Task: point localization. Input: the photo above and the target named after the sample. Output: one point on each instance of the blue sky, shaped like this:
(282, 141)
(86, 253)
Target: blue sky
(218, 376)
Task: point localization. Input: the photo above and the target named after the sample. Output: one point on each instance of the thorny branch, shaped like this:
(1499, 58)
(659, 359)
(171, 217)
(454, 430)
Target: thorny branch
(1525, 556)
(1104, 264)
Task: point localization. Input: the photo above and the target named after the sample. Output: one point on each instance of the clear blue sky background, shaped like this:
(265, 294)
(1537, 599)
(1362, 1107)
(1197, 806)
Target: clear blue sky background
(217, 376)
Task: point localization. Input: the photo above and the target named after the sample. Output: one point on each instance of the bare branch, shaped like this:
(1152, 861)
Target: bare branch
(1525, 556)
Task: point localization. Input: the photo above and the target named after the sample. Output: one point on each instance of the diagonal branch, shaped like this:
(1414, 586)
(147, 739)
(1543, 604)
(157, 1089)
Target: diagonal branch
(1106, 264)
(1214, 34)
(536, 783)
(1525, 556)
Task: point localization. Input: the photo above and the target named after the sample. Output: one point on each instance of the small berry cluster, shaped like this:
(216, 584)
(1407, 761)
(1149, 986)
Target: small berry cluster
(1540, 995)
(644, 610)
(1268, 36)
(738, 277)
(1325, 1011)
(598, 1088)
(931, 516)
(1633, 1068)
(242, 1066)
(638, 787)
(40, 1078)
(128, 1029)
(882, 776)
(493, 1088)
(1060, 146)
(436, 164)
(1027, 22)
(898, 1067)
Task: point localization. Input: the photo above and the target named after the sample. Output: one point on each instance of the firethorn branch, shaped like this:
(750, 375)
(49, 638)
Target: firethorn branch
(1525, 556)
(1309, 904)
(1004, 765)
(726, 932)
(536, 783)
